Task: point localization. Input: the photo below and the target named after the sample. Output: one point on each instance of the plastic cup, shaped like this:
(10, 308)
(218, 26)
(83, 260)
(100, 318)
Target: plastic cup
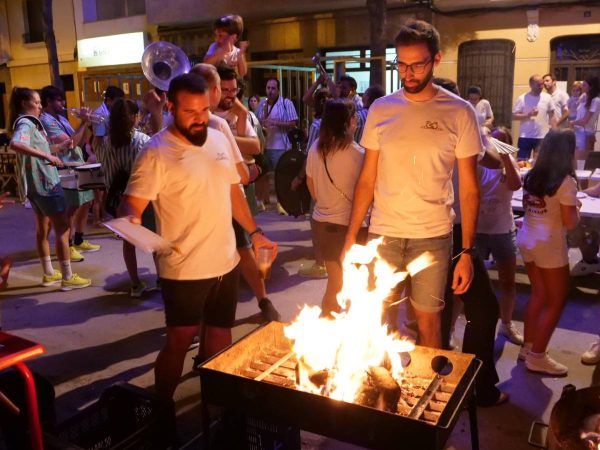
(264, 260)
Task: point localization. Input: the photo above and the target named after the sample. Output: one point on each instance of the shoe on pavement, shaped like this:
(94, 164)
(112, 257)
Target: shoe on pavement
(87, 246)
(52, 280)
(510, 332)
(137, 290)
(592, 355)
(75, 282)
(281, 210)
(75, 255)
(524, 351)
(268, 311)
(313, 271)
(542, 363)
(583, 268)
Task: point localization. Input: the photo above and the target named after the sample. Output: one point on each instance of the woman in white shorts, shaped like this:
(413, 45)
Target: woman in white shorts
(551, 208)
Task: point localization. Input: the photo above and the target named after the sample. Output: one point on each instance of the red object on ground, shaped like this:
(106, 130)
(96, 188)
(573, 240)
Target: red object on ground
(13, 351)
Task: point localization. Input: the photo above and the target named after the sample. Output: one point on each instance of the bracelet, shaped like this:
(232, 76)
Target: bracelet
(258, 230)
(468, 250)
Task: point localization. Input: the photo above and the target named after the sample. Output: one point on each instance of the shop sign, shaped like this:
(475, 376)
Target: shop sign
(111, 50)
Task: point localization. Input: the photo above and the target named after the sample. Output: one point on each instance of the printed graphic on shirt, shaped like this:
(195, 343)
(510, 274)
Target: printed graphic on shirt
(534, 205)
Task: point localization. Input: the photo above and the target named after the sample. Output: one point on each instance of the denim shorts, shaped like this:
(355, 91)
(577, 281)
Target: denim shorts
(48, 205)
(428, 286)
(500, 246)
(527, 146)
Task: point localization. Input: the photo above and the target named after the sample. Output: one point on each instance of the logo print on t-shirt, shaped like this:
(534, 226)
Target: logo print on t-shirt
(534, 204)
(221, 157)
(431, 125)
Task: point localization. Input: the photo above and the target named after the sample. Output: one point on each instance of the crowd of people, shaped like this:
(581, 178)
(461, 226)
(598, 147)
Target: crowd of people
(416, 168)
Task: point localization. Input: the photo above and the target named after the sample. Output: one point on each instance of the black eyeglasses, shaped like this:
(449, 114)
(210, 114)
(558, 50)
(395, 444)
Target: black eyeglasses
(416, 68)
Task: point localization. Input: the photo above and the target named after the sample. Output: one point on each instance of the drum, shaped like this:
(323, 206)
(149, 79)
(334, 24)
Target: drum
(68, 179)
(90, 176)
(297, 202)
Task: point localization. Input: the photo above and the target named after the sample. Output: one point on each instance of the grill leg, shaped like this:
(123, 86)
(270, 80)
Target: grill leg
(473, 422)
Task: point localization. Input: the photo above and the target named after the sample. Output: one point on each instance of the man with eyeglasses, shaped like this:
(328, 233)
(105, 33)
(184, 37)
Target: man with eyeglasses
(413, 138)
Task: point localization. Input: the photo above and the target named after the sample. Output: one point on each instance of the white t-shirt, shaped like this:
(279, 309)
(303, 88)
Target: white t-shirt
(561, 101)
(344, 166)
(283, 110)
(495, 210)
(190, 190)
(231, 120)
(537, 126)
(483, 110)
(592, 124)
(543, 221)
(418, 143)
(230, 58)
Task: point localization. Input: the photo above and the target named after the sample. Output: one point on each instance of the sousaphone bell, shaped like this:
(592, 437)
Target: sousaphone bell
(163, 61)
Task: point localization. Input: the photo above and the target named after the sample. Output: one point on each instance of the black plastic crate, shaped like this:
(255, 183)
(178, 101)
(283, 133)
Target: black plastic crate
(239, 431)
(125, 417)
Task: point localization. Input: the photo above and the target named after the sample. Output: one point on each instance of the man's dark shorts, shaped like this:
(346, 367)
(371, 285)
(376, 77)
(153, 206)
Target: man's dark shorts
(212, 301)
(527, 146)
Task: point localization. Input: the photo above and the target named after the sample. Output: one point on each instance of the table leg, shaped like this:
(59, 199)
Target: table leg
(35, 429)
(473, 422)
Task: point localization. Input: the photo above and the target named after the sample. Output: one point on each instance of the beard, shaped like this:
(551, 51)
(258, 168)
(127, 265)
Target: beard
(420, 86)
(197, 137)
(225, 104)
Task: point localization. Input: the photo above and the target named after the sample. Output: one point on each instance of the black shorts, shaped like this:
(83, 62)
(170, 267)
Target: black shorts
(329, 238)
(212, 301)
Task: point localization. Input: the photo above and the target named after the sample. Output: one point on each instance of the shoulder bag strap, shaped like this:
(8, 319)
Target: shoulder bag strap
(333, 183)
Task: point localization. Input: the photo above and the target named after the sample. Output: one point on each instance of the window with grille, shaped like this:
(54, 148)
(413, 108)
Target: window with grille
(489, 64)
(575, 57)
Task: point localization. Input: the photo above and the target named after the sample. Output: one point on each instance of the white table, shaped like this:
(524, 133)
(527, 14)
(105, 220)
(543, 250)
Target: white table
(590, 206)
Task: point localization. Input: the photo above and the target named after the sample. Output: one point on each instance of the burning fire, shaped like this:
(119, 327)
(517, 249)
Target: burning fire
(336, 356)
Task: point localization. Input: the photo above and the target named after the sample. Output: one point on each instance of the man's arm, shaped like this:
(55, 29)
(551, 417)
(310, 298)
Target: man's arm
(469, 206)
(242, 215)
(133, 207)
(363, 196)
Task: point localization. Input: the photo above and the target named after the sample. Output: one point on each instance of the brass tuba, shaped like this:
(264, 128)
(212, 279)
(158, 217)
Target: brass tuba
(163, 61)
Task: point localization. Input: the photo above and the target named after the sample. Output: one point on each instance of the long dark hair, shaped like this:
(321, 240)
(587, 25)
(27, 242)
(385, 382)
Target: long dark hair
(122, 118)
(334, 132)
(17, 97)
(593, 82)
(553, 164)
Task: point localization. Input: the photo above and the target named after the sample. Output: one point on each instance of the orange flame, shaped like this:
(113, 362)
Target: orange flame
(356, 339)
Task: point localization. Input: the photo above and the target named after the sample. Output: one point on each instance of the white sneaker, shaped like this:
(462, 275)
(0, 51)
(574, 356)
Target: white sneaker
(583, 268)
(592, 355)
(542, 363)
(524, 351)
(510, 332)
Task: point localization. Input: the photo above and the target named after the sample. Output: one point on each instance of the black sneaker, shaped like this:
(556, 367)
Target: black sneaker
(268, 311)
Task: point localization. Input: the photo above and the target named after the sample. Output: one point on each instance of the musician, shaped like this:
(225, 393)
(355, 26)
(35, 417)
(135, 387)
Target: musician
(109, 96)
(185, 162)
(59, 129)
(277, 115)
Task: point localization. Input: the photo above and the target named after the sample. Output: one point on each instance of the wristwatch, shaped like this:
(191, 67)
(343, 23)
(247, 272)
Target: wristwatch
(257, 231)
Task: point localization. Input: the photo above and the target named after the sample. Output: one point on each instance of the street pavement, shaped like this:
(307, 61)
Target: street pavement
(99, 336)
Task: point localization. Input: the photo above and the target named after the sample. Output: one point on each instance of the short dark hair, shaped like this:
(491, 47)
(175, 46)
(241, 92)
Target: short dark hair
(188, 82)
(231, 23)
(276, 81)
(374, 92)
(113, 92)
(474, 90)
(226, 73)
(448, 84)
(419, 32)
(350, 80)
(551, 75)
(50, 93)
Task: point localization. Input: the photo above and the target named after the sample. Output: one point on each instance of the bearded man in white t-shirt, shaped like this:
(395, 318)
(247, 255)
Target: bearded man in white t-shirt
(560, 99)
(188, 172)
(413, 138)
